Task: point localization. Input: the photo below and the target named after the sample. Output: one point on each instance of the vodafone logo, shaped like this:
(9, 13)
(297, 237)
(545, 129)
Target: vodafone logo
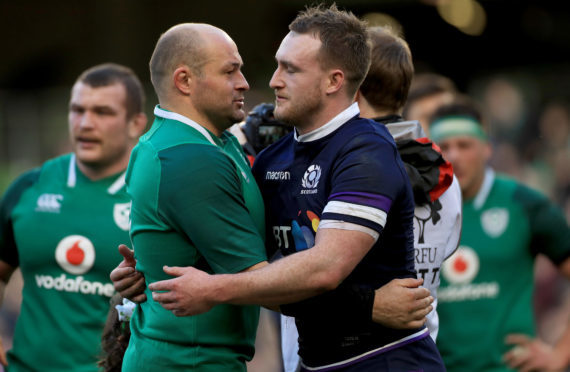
(461, 267)
(75, 254)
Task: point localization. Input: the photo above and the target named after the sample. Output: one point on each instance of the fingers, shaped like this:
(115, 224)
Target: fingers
(135, 292)
(518, 339)
(163, 285)
(517, 357)
(167, 299)
(410, 282)
(422, 293)
(120, 273)
(129, 283)
(174, 270)
(128, 255)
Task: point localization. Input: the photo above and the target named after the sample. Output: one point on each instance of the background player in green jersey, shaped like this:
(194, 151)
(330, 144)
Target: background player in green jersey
(60, 222)
(485, 297)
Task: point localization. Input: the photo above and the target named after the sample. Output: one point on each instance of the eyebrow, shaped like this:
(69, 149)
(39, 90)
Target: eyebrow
(287, 64)
(237, 65)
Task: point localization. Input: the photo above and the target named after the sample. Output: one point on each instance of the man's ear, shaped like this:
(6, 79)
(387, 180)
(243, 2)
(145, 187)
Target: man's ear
(137, 125)
(335, 81)
(182, 78)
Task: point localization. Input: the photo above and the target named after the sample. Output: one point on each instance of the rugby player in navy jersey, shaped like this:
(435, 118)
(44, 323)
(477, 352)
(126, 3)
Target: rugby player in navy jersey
(340, 207)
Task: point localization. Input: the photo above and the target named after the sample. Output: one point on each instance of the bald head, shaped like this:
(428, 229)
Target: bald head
(183, 44)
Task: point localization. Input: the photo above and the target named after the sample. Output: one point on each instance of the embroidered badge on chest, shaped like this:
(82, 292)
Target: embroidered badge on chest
(121, 215)
(495, 221)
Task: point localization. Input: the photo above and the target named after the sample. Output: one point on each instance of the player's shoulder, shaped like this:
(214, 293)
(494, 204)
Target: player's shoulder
(360, 132)
(517, 191)
(55, 167)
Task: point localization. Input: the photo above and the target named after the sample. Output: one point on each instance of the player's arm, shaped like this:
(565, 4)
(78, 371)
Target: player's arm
(551, 236)
(291, 279)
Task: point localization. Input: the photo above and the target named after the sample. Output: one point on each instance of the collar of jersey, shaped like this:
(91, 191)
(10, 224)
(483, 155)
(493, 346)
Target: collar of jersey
(160, 112)
(72, 177)
(331, 126)
(485, 189)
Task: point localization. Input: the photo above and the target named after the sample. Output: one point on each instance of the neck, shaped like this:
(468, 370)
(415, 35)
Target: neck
(322, 117)
(370, 112)
(472, 191)
(98, 172)
(187, 109)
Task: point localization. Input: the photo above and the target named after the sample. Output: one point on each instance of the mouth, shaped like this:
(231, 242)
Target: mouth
(86, 142)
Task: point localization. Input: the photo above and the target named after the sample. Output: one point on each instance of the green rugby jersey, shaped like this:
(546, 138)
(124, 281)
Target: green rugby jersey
(487, 285)
(195, 203)
(62, 230)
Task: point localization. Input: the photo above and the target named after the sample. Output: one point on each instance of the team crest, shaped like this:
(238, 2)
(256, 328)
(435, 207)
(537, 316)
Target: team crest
(311, 177)
(122, 215)
(495, 221)
(461, 267)
(75, 254)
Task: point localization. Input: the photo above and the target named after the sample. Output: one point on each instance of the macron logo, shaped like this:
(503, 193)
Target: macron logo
(49, 203)
(278, 176)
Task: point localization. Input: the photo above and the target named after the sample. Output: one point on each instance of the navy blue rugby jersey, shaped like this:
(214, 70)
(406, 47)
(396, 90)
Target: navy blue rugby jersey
(346, 174)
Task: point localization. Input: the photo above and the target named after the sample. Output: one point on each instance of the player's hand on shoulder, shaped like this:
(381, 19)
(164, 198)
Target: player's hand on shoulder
(533, 354)
(402, 304)
(126, 280)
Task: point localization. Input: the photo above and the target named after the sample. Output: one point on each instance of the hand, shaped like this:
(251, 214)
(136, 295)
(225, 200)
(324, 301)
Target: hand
(3, 359)
(402, 304)
(186, 294)
(532, 354)
(126, 280)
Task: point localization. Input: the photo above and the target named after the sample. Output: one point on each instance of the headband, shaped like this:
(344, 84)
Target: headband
(450, 126)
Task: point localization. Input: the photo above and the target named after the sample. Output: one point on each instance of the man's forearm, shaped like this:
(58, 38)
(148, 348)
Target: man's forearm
(296, 277)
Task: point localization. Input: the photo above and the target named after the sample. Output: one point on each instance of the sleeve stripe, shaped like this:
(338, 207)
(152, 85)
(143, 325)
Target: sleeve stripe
(368, 213)
(333, 224)
(364, 198)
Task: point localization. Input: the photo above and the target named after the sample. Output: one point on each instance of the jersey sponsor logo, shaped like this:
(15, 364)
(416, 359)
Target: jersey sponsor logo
(50, 203)
(78, 285)
(462, 266)
(495, 221)
(277, 175)
(121, 215)
(468, 292)
(311, 179)
(75, 254)
(459, 270)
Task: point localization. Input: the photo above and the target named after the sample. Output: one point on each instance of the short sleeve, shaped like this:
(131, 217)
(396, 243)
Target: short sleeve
(8, 248)
(549, 229)
(200, 195)
(366, 180)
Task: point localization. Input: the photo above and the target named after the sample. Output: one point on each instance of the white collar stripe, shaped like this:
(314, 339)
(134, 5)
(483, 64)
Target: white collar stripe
(483, 193)
(183, 119)
(71, 175)
(118, 184)
(331, 126)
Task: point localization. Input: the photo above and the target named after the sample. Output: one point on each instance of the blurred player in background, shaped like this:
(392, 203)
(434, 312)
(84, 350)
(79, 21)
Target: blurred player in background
(60, 224)
(485, 297)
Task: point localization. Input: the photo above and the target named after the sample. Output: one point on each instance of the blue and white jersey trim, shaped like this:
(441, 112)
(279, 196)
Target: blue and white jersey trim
(374, 215)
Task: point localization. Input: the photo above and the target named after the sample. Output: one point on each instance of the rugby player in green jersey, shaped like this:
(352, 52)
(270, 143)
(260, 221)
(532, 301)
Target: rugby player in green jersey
(60, 222)
(485, 297)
